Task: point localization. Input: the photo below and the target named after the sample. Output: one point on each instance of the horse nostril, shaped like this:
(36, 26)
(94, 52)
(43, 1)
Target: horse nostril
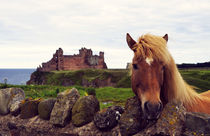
(152, 110)
(153, 107)
(160, 106)
(147, 106)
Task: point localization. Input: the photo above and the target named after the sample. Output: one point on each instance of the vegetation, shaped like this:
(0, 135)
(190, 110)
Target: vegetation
(107, 96)
(199, 78)
(91, 91)
(81, 77)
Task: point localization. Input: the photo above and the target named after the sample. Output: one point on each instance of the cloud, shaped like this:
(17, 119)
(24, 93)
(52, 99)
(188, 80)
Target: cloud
(32, 30)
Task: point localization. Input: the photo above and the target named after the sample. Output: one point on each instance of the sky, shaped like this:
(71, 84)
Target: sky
(32, 30)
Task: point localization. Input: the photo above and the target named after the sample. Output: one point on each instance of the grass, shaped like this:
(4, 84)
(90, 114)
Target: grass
(120, 77)
(199, 78)
(108, 96)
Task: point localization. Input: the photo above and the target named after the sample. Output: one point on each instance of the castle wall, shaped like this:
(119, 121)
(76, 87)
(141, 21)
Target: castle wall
(83, 60)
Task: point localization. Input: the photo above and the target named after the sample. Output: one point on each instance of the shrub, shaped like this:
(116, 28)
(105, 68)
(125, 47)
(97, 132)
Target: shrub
(91, 91)
(57, 91)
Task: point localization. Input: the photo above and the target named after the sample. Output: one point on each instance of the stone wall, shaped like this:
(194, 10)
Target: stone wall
(72, 115)
(85, 59)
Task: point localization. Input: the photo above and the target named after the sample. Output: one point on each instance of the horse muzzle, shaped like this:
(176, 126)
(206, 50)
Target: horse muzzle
(152, 111)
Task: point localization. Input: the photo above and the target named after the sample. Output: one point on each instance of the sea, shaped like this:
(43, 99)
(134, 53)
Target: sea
(15, 76)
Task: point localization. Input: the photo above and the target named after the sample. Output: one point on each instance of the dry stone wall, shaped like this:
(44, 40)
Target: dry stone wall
(72, 115)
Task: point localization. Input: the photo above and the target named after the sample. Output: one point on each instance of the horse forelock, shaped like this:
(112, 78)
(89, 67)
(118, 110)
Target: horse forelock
(151, 46)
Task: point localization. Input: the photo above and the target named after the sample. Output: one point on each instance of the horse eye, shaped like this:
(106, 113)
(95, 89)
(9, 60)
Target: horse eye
(135, 66)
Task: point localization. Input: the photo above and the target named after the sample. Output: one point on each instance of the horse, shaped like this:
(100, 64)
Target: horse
(155, 78)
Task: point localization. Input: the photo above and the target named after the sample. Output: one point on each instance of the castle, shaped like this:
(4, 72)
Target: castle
(84, 60)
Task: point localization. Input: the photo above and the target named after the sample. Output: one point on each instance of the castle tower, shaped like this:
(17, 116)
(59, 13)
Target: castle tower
(85, 52)
(60, 59)
(101, 54)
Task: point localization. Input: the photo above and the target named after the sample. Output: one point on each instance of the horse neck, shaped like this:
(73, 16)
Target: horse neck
(175, 88)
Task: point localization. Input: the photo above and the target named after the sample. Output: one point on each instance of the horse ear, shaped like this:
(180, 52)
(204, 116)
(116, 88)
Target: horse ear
(130, 41)
(165, 37)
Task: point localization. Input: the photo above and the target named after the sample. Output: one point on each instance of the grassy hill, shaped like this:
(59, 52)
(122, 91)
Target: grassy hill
(199, 78)
(87, 77)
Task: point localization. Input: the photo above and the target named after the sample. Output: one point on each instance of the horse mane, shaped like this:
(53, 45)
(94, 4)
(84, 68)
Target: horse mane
(153, 47)
(175, 88)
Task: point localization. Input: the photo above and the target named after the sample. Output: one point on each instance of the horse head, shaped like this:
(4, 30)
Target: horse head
(147, 76)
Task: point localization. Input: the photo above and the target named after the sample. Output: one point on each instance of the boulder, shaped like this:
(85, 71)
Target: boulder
(15, 103)
(10, 99)
(132, 121)
(108, 118)
(29, 108)
(61, 113)
(197, 123)
(84, 110)
(45, 108)
(15, 108)
(170, 122)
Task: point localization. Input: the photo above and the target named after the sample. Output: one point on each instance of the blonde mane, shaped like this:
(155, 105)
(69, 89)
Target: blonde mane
(152, 46)
(175, 88)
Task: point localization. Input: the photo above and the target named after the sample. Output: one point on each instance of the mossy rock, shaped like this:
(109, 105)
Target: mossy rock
(45, 108)
(131, 121)
(29, 108)
(84, 110)
(61, 112)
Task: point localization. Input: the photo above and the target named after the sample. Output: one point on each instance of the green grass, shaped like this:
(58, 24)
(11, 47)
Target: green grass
(199, 78)
(108, 96)
(113, 96)
(119, 77)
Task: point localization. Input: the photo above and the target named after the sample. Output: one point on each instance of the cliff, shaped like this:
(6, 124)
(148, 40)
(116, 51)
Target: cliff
(87, 77)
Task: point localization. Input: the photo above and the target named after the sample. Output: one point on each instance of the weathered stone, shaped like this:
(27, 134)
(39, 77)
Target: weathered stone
(17, 96)
(29, 109)
(85, 59)
(15, 108)
(131, 121)
(45, 108)
(61, 113)
(84, 110)
(108, 118)
(9, 98)
(11, 125)
(169, 124)
(38, 127)
(14, 104)
(197, 123)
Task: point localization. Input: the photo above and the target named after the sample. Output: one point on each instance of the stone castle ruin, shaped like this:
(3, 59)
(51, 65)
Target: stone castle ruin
(84, 60)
